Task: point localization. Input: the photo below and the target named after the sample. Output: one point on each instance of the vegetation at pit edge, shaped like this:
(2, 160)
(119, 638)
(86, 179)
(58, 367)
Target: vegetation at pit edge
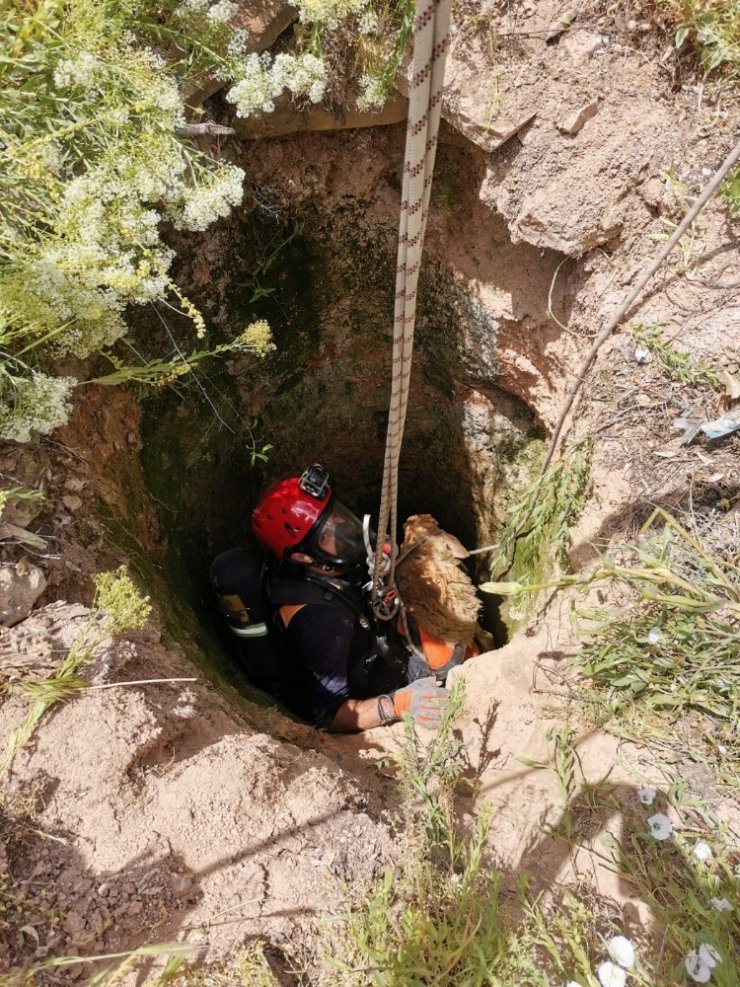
(97, 160)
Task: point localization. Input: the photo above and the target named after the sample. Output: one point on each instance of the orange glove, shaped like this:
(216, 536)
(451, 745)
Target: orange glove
(424, 699)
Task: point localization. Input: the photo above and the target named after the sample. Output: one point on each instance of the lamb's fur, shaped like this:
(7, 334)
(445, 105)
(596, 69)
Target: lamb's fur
(434, 586)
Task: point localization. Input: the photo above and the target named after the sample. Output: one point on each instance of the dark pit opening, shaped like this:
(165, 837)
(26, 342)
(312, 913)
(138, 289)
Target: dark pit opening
(325, 281)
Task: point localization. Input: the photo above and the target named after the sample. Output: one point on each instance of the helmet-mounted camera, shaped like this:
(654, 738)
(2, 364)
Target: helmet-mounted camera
(315, 481)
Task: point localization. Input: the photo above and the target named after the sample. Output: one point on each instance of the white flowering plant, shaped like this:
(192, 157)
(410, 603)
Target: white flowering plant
(364, 40)
(91, 166)
(96, 161)
(689, 895)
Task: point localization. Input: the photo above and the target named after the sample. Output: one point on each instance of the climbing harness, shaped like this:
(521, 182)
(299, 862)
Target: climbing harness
(431, 41)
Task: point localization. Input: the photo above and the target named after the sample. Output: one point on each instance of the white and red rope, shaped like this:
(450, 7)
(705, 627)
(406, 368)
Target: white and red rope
(431, 41)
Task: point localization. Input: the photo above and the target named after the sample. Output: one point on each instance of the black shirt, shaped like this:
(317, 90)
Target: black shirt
(327, 656)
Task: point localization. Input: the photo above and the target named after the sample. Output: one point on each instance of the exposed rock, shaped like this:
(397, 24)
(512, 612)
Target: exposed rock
(180, 884)
(263, 21)
(471, 101)
(573, 122)
(74, 924)
(286, 119)
(20, 586)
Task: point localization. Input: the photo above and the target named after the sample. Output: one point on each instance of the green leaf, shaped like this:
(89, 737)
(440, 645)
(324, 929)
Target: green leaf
(502, 589)
(681, 34)
(529, 763)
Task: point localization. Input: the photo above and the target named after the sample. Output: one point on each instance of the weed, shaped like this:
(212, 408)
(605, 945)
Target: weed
(96, 157)
(433, 917)
(685, 245)
(674, 649)
(117, 607)
(430, 773)
(447, 188)
(437, 916)
(256, 338)
(245, 967)
(114, 974)
(382, 50)
(494, 100)
(713, 27)
(731, 192)
(14, 494)
(675, 364)
(689, 883)
(564, 759)
(26, 916)
(537, 536)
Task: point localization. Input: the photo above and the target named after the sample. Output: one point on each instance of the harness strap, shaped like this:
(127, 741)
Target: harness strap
(440, 656)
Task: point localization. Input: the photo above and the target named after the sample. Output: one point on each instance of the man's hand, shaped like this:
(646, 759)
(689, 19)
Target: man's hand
(424, 699)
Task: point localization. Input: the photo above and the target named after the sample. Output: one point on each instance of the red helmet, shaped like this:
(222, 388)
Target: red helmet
(300, 513)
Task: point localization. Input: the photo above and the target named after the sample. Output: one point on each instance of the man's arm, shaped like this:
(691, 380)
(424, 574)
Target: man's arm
(423, 699)
(361, 714)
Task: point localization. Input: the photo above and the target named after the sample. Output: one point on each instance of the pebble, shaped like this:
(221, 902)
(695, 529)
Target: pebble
(104, 889)
(180, 884)
(135, 908)
(74, 923)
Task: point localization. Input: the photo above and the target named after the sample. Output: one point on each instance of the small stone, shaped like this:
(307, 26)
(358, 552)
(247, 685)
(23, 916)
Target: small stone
(104, 889)
(574, 122)
(20, 586)
(72, 502)
(180, 884)
(74, 924)
(135, 908)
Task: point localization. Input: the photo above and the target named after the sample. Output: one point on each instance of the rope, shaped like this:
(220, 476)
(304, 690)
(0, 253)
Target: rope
(431, 41)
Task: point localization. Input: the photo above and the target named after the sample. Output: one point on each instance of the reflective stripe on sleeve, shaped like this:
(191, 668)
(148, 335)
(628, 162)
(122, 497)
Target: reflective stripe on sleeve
(255, 630)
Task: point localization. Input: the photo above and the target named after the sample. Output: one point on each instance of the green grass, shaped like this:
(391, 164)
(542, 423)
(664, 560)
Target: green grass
(712, 27)
(675, 364)
(537, 532)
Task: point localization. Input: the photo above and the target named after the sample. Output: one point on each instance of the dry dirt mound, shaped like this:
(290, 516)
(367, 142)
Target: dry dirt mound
(156, 812)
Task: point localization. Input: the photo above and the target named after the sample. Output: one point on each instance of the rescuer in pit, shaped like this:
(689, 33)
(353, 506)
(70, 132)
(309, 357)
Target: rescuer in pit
(316, 643)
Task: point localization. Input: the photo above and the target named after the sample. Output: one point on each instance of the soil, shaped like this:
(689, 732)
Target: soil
(191, 809)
